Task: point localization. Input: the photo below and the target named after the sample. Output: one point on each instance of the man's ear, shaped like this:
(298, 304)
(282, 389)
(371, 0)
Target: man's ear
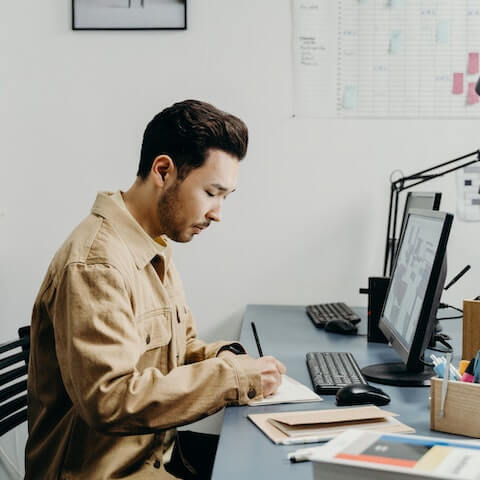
(162, 168)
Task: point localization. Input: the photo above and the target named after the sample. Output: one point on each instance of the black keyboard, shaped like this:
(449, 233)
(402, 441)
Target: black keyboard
(324, 312)
(331, 371)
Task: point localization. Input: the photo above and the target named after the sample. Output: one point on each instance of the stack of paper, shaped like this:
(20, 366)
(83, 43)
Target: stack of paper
(290, 428)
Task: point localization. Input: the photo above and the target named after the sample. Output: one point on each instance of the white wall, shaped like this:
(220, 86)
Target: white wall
(308, 221)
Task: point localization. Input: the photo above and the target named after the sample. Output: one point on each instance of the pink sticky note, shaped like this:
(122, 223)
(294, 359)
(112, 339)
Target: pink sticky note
(472, 96)
(472, 63)
(457, 83)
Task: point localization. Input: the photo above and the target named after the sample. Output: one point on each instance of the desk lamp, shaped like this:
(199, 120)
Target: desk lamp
(404, 183)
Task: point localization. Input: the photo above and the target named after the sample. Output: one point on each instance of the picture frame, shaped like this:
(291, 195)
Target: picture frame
(129, 14)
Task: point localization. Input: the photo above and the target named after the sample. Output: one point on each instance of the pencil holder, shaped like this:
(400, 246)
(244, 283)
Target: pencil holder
(462, 403)
(471, 329)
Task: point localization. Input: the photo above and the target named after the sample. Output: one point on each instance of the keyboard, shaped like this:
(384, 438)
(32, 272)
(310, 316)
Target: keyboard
(331, 371)
(324, 312)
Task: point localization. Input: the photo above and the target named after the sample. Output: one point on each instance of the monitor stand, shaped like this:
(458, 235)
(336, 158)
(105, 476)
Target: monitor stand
(397, 374)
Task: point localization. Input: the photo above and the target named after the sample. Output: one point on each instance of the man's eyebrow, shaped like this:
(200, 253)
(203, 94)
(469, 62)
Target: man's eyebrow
(221, 187)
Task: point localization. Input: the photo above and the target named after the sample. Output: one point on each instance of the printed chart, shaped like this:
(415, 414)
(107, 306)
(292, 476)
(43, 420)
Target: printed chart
(386, 58)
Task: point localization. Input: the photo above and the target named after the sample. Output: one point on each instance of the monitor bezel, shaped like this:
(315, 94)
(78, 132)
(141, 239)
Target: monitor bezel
(437, 199)
(412, 354)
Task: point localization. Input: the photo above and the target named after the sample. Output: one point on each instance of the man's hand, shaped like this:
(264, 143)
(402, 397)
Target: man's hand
(270, 373)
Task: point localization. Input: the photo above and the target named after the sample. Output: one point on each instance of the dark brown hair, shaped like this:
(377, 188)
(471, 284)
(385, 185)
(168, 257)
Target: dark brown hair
(186, 131)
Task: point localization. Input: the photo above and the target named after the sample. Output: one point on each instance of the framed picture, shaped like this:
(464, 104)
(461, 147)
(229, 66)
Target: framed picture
(129, 14)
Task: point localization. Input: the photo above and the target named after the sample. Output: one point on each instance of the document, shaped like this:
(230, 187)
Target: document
(372, 455)
(290, 428)
(290, 391)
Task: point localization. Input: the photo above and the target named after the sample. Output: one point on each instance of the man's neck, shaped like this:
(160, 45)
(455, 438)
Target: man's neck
(140, 204)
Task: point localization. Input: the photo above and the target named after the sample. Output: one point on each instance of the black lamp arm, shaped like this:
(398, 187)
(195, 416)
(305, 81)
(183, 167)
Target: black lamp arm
(402, 184)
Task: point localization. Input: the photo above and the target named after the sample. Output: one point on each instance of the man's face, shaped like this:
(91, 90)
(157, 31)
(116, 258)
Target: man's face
(188, 206)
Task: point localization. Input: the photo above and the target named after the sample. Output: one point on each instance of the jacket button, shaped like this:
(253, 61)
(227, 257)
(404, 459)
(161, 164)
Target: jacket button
(251, 393)
(157, 464)
(147, 340)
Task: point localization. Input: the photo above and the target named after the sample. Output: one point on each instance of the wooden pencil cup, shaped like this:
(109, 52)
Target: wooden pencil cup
(471, 329)
(461, 408)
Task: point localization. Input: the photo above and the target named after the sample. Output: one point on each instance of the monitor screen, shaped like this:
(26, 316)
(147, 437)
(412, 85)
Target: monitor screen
(413, 296)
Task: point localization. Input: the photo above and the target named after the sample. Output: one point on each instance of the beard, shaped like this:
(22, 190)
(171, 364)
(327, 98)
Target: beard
(169, 212)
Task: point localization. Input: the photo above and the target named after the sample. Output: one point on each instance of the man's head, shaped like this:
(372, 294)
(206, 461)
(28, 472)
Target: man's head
(186, 131)
(189, 162)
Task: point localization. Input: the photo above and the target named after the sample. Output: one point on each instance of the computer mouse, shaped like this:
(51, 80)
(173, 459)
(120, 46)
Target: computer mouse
(359, 394)
(340, 325)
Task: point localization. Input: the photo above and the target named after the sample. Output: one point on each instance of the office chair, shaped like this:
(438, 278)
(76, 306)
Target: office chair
(13, 405)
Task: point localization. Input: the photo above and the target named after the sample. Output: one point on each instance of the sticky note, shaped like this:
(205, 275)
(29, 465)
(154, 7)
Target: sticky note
(350, 97)
(443, 31)
(457, 83)
(472, 63)
(472, 96)
(396, 40)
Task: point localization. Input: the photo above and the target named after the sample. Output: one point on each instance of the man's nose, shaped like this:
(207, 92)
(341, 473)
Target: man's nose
(214, 214)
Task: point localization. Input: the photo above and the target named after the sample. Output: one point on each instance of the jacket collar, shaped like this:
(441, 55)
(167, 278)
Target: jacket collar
(143, 248)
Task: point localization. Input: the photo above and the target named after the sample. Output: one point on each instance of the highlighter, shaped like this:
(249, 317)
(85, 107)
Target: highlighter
(463, 366)
(468, 374)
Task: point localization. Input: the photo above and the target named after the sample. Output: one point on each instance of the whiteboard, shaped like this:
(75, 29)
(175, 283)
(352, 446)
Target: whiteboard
(386, 58)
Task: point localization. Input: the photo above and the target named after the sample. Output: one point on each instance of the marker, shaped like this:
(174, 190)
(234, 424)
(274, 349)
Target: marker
(468, 374)
(301, 455)
(257, 341)
(463, 366)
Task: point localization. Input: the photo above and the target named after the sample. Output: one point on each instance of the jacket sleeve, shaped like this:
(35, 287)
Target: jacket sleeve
(99, 348)
(197, 350)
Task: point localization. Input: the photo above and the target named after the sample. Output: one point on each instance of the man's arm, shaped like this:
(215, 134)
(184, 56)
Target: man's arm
(269, 367)
(197, 350)
(99, 348)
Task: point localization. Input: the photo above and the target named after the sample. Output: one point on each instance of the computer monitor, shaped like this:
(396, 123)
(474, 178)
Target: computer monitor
(413, 296)
(422, 200)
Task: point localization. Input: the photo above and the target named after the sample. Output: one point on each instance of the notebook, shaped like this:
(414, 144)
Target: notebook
(289, 391)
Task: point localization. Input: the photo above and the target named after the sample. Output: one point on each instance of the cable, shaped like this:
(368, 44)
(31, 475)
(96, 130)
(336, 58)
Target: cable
(446, 305)
(441, 338)
(450, 318)
(427, 364)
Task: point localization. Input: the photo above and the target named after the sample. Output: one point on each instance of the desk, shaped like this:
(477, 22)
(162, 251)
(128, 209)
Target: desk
(286, 332)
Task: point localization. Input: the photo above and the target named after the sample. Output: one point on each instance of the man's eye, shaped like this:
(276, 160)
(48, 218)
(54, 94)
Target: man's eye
(209, 193)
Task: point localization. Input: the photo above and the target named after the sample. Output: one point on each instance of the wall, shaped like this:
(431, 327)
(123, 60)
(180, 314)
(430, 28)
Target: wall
(307, 223)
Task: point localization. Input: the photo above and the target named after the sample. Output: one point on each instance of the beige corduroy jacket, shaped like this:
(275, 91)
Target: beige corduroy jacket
(115, 362)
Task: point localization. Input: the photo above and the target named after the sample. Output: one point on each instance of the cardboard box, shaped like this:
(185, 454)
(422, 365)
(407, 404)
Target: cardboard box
(471, 329)
(462, 404)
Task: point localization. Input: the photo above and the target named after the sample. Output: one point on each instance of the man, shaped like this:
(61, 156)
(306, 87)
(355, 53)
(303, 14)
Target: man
(115, 363)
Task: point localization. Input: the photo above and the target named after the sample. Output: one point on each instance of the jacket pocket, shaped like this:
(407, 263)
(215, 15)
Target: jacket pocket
(155, 331)
(180, 321)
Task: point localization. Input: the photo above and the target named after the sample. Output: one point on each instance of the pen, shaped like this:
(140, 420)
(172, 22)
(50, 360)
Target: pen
(446, 378)
(457, 277)
(257, 341)
(439, 367)
(312, 439)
